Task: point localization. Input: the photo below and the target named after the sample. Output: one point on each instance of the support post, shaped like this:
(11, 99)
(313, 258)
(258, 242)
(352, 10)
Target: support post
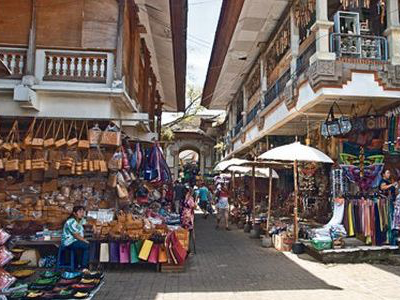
(253, 173)
(296, 191)
(120, 39)
(245, 106)
(269, 198)
(322, 28)
(393, 31)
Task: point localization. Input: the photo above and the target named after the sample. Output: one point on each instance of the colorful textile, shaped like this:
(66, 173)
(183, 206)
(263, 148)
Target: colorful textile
(372, 175)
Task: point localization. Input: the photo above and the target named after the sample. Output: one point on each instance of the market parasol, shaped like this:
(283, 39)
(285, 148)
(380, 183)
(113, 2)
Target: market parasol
(259, 172)
(225, 164)
(295, 153)
(4, 71)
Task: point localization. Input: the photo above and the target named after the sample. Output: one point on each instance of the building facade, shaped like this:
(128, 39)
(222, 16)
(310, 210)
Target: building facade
(278, 67)
(120, 60)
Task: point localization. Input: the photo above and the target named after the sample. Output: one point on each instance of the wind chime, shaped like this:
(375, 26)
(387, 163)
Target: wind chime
(303, 10)
(366, 3)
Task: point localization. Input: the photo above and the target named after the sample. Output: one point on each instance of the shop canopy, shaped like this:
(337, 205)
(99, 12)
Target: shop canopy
(225, 164)
(296, 152)
(259, 172)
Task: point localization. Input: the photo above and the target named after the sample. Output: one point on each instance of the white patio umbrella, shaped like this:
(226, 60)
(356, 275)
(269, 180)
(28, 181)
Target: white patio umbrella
(225, 164)
(259, 172)
(295, 153)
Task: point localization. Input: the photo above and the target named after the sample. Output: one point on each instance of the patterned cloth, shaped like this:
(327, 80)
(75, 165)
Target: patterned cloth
(71, 227)
(187, 216)
(371, 179)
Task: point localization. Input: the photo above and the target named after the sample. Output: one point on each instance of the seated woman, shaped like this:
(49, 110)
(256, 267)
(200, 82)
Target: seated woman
(73, 235)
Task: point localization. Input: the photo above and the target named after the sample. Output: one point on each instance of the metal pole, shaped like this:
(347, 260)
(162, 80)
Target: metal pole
(253, 169)
(296, 191)
(269, 197)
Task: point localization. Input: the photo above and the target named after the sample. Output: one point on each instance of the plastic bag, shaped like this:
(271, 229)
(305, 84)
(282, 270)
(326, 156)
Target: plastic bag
(322, 243)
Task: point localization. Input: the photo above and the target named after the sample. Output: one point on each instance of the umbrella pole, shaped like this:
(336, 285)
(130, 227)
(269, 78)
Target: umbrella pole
(253, 171)
(296, 191)
(269, 198)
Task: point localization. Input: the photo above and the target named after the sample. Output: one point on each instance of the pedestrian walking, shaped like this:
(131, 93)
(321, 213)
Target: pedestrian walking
(203, 198)
(222, 206)
(187, 216)
(179, 195)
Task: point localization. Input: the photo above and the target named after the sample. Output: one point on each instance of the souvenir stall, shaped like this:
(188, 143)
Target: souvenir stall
(49, 166)
(287, 233)
(362, 213)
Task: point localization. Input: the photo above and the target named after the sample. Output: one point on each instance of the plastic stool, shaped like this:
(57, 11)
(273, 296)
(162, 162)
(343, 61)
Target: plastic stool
(62, 251)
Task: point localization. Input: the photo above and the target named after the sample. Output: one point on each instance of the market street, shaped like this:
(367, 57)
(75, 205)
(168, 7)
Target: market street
(230, 265)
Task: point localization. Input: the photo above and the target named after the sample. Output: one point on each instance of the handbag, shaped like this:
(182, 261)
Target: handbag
(122, 191)
(153, 257)
(179, 251)
(124, 253)
(375, 121)
(72, 141)
(335, 126)
(114, 252)
(112, 180)
(134, 257)
(101, 165)
(61, 141)
(104, 252)
(83, 144)
(29, 134)
(162, 254)
(145, 250)
(50, 186)
(357, 123)
(111, 136)
(94, 135)
(115, 163)
(37, 141)
(49, 141)
(9, 140)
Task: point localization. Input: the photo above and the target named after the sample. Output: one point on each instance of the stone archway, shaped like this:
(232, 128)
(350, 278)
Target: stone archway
(198, 145)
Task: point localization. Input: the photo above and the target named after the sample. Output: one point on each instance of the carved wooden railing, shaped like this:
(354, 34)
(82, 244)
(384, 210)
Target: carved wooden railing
(15, 61)
(75, 67)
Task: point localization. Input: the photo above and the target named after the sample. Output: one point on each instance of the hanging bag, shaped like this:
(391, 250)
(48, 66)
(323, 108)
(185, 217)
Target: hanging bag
(335, 126)
(29, 134)
(9, 140)
(134, 258)
(375, 121)
(357, 123)
(94, 135)
(104, 252)
(124, 253)
(102, 162)
(111, 136)
(37, 141)
(84, 144)
(61, 141)
(146, 249)
(72, 141)
(49, 139)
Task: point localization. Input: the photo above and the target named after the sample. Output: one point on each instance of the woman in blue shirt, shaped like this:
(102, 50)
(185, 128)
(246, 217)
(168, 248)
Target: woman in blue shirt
(73, 235)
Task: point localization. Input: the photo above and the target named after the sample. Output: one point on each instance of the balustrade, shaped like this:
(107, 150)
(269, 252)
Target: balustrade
(15, 60)
(77, 67)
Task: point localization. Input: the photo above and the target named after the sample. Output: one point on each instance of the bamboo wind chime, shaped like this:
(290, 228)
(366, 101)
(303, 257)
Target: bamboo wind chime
(366, 4)
(303, 11)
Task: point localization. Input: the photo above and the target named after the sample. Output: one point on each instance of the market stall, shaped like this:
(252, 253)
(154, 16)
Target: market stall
(49, 166)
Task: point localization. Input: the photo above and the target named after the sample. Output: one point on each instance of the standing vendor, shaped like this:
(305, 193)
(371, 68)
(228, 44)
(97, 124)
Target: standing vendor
(73, 235)
(389, 190)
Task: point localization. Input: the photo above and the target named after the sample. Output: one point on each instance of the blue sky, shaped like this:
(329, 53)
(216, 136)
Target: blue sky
(202, 22)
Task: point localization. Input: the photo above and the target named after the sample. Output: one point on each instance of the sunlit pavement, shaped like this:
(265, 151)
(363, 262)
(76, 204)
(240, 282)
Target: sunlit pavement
(230, 265)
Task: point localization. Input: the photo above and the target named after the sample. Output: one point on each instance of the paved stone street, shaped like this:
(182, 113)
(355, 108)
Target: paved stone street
(229, 265)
